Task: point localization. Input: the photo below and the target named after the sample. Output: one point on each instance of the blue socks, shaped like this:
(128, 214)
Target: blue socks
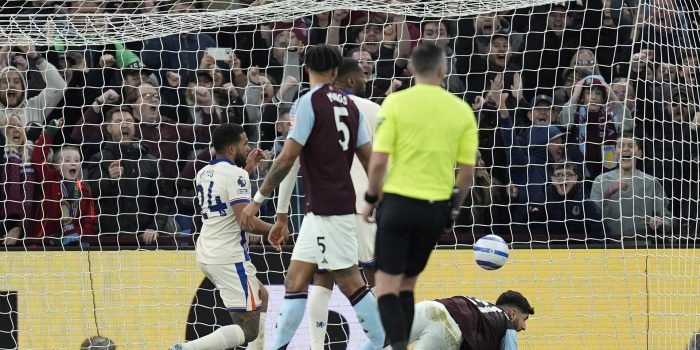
(367, 311)
(291, 315)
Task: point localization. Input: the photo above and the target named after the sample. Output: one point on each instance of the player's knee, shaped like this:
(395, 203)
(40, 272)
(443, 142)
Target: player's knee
(295, 284)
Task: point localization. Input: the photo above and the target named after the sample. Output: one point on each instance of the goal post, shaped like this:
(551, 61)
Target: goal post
(589, 161)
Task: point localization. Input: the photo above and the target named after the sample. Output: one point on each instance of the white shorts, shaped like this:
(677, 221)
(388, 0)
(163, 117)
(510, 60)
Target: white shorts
(434, 328)
(237, 284)
(366, 235)
(327, 241)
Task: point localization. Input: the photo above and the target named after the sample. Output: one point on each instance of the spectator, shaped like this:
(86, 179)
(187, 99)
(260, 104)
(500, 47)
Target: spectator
(283, 125)
(124, 178)
(547, 49)
(367, 64)
(180, 52)
(596, 118)
(624, 91)
(13, 89)
(438, 33)
(17, 179)
(202, 105)
(569, 214)
(67, 208)
(671, 155)
(585, 60)
(486, 207)
(483, 68)
(531, 168)
(261, 105)
(631, 202)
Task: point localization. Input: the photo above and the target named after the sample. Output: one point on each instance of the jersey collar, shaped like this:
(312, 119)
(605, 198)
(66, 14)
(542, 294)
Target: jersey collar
(219, 160)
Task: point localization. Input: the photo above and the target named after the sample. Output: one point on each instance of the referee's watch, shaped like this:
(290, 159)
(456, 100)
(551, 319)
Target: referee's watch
(371, 199)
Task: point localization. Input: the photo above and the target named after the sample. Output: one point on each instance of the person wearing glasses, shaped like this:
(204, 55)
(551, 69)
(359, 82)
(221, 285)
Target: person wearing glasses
(569, 213)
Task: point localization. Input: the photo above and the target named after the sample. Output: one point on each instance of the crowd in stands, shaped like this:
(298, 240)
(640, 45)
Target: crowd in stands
(586, 112)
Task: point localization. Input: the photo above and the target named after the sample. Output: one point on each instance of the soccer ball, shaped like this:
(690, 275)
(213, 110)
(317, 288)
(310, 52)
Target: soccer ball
(491, 252)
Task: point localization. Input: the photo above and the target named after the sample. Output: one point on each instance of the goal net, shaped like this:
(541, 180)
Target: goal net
(588, 117)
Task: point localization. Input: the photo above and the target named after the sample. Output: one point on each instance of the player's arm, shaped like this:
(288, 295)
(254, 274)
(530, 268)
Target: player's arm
(304, 122)
(259, 227)
(364, 144)
(510, 340)
(384, 143)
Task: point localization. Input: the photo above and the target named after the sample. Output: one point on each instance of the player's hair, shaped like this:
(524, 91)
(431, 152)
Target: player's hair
(512, 298)
(226, 135)
(119, 109)
(322, 58)
(426, 58)
(348, 67)
(98, 343)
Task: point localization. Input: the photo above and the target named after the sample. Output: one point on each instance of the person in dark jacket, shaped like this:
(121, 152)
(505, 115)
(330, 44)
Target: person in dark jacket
(569, 213)
(124, 178)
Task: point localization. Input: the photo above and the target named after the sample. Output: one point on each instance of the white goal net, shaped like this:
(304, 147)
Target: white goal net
(588, 115)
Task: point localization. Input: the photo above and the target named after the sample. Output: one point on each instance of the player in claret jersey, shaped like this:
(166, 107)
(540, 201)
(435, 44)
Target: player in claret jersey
(467, 323)
(328, 131)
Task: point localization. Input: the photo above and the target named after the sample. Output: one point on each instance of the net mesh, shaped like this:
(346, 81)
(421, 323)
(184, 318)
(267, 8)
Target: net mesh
(601, 209)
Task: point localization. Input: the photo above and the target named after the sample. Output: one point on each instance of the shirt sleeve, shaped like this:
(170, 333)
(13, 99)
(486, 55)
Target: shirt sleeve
(470, 140)
(509, 341)
(385, 135)
(240, 188)
(362, 134)
(303, 119)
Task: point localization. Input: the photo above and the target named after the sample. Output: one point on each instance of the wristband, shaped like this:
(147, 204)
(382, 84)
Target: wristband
(259, 198)
(371, 199)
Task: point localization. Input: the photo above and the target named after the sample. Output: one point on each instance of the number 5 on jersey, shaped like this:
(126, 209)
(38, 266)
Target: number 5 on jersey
(340, 112)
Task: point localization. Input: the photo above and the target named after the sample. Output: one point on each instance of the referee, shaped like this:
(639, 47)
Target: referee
(425, 131)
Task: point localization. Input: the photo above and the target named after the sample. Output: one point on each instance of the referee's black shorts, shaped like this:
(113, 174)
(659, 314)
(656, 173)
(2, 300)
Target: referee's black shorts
(407, 231)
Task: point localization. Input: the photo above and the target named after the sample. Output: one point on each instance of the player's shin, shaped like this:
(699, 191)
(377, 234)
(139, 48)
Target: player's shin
(318, 315)
(365, 306)
(393, 320)
(407, 305)
(290, 317)
(259, 342)
(225, 337)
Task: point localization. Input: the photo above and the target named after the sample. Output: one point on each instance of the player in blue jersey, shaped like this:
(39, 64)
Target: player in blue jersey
(327, 132)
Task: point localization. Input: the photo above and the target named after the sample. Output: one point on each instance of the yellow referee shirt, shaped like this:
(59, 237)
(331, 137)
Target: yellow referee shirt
(425, 130)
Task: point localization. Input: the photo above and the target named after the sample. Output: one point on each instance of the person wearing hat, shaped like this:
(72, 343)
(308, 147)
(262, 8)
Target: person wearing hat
(595, 117)
(531, 158)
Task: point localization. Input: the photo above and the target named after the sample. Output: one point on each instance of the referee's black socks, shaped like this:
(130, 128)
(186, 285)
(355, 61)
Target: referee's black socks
(407, 304)
(393, 320)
